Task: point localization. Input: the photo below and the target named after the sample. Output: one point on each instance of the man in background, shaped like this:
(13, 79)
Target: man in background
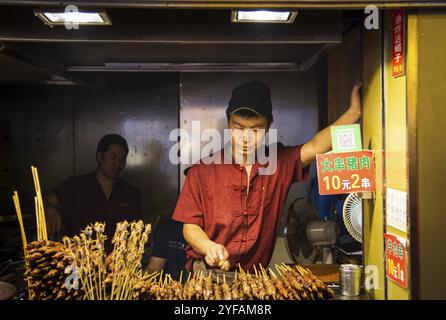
(97, 196)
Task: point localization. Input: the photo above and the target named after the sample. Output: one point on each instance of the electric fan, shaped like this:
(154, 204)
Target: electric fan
(352, 216)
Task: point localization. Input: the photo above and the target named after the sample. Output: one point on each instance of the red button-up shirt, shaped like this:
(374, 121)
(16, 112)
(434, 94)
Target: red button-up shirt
(215, 197)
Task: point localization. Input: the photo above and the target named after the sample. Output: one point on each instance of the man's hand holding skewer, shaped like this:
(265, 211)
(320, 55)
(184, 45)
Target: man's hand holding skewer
(217, 256)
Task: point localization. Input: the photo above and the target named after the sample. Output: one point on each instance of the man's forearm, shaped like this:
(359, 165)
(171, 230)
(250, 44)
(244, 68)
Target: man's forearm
(321, 142)
(197, 238)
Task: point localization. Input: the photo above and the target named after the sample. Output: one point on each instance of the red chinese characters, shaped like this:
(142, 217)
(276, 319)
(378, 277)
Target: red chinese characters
(396, 259)
(398, 43)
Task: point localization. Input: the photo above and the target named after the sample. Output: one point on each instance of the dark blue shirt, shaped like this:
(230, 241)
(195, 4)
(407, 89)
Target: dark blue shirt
(169, 244)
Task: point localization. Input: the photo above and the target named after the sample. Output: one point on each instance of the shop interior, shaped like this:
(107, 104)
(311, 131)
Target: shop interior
(152, 70)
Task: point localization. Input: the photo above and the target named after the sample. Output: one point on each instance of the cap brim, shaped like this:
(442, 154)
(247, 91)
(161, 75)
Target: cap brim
(246, 108)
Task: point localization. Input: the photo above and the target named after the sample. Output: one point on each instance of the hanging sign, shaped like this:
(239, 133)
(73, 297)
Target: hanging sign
(396, 259)
(346, 172)
(398, 43)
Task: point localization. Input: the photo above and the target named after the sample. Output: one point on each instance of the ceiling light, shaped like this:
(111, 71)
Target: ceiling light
(77, 17)
(263, 16)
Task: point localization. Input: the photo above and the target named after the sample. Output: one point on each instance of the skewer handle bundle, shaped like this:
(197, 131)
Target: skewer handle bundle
(42, 233)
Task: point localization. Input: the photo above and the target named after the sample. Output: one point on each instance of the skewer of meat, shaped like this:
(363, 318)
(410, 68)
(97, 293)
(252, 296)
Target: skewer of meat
(235, 288)
(327, 293)
(218, 294)
(178, 287)
(226, 290)
(282, 293)
(188, 289)
(170, 288)
(292, 293)
(254, 286)
(269, 286)
(318, 288)
(178, 290)
(261, 285)
(199, 284)
(246, 288)
(208, 293)
(308, 284)
(295, 280)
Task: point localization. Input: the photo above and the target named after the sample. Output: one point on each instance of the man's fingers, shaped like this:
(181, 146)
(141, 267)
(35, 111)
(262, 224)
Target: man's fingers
(209, 261)
(214, 254)
(225, 253)
(221, 253)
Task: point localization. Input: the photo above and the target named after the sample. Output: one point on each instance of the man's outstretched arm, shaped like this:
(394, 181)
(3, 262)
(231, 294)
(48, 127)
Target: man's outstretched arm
(321, 142)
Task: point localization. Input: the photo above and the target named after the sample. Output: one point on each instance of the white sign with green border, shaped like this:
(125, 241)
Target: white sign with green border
(346, 138)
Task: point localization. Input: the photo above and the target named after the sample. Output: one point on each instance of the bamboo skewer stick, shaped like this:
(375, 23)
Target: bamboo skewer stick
(272, 273)
(18, 210)
(263, 270)
(278, 270)
(15, 198)
(286, 267)
(40, 212)
(36, 205)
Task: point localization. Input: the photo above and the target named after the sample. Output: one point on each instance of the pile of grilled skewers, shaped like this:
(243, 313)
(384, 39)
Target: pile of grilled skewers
(293, 283)
(110, 277)
(79, 267)
(46, 265)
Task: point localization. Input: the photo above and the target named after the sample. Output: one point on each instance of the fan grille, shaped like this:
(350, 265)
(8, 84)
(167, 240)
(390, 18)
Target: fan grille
(352, 216)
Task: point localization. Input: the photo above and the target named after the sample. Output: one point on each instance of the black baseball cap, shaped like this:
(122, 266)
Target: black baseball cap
(254, 96)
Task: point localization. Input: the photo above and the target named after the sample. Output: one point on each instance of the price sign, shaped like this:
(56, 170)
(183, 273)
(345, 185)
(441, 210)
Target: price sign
(396, 259)
(345, 172)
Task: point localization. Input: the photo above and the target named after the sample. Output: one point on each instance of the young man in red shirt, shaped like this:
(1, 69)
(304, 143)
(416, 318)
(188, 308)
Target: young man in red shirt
(230, 212)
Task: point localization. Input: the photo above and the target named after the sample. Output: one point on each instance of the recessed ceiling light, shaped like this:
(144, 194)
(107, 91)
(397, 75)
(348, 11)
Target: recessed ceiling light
(96, 18)
(263, 16)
